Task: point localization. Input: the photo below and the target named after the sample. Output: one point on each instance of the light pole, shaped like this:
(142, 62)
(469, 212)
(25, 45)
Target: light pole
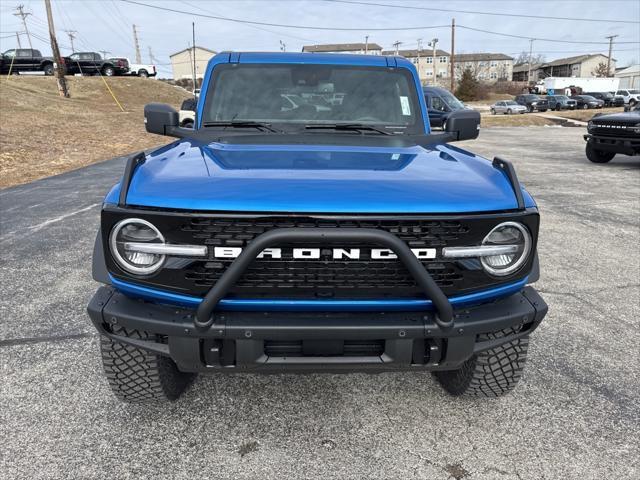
(433, 44)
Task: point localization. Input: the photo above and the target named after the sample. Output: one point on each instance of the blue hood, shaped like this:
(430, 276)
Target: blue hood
(319, 179)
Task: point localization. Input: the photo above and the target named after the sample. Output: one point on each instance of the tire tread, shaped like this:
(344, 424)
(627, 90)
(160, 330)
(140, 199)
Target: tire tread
(491, 373)
(138, 376)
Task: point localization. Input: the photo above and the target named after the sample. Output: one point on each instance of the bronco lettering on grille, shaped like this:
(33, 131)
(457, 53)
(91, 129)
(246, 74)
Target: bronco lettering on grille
(315, 253)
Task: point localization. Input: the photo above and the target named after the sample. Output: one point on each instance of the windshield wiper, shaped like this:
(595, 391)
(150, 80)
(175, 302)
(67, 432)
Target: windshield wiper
(243, 124)
(355, 127)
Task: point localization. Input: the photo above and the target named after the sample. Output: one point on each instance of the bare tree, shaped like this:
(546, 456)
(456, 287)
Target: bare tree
(523, 57)
(601, 70)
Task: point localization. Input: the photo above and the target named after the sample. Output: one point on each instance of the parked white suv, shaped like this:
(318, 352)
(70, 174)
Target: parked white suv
(631, 97)
(141, 69)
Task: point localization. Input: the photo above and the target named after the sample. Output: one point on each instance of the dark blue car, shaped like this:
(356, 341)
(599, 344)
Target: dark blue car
(440, 104)
(275, 236)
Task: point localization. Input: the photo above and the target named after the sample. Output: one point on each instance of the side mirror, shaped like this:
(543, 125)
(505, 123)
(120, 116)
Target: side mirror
(463, 125)
(162, 119)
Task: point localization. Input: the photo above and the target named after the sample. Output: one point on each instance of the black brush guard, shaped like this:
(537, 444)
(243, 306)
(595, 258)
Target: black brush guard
(444, 312)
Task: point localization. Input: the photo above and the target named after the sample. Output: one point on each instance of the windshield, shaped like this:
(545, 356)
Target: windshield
(452, 102)
(298, 95)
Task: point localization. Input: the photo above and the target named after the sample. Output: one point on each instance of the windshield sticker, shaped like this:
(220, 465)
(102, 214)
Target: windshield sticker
(404, 103)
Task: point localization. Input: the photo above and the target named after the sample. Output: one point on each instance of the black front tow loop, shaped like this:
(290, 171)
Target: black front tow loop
(444, 311)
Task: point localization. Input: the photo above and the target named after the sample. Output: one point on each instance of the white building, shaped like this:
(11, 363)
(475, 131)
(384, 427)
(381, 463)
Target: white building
(487, 67)
(357, 48)
(629, 77)
(182, 62)
(424, 62)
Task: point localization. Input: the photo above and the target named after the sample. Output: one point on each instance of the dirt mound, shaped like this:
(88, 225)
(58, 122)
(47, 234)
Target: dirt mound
(42, 134)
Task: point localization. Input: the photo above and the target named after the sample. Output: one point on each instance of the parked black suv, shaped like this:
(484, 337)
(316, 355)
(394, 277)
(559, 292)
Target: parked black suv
(609, 99)
(533, 102)
(561, 102)
(613, 133)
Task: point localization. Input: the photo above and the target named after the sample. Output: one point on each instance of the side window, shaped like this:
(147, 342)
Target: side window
(10, 53)
(23, 53)
(36, 53)
(438, 104)
(75, 57)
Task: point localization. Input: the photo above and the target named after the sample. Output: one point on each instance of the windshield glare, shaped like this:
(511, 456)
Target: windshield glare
(313, 94)
(452, 102)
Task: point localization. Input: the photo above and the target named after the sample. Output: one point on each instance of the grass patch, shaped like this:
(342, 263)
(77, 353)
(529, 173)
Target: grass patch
(42, 134)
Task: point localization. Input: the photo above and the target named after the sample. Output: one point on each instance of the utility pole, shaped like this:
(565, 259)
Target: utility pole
(193, 40)
(419, 50)
(72, 35)
(530, 54)
(396, 45)
(366, 44)
(18, 38)
(57, 61)
(452, 57)
(433, 44)
(23, 15)
(137, 45)
(151, 57)
(610, 37)
(104, 53)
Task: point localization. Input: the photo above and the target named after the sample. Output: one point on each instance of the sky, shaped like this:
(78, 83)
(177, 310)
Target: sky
(107, 25)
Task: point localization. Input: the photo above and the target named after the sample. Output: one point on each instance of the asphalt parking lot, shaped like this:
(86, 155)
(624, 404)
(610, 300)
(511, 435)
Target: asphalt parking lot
(576, 413)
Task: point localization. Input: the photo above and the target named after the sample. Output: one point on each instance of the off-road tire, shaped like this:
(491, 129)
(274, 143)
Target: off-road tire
(48, 69)
(509, 112)
(632, 102)
(139, 376)
(598, 156)
(490, 373)
(493, 112)
(108, 71)
(143, 73)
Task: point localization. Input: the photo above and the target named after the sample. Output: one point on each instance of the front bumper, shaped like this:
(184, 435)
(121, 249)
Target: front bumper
(317, 341)
(624, 145)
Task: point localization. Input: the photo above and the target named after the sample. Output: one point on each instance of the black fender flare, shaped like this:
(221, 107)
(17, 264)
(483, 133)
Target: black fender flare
(99, 270)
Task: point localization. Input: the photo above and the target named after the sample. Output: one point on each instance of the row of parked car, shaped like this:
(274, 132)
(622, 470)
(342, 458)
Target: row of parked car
(531, 102)
(21, 60)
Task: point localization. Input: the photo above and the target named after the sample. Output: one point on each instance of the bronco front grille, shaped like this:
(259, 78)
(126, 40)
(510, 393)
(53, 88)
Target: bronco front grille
(615, 130)
(324, 277)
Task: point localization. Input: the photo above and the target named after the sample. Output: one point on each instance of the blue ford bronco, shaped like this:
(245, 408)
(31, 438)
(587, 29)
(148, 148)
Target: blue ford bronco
(312, 222)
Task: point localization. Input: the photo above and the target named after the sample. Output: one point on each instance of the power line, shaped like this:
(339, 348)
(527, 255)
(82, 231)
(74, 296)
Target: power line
(267, 24)
(537, 38)
(258, 28)
(496, 14)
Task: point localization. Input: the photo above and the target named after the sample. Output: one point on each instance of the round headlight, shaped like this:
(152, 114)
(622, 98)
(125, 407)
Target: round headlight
(507, 233)
(124, 237)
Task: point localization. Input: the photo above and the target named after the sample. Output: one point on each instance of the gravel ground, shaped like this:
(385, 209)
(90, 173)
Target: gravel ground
(574, 415)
